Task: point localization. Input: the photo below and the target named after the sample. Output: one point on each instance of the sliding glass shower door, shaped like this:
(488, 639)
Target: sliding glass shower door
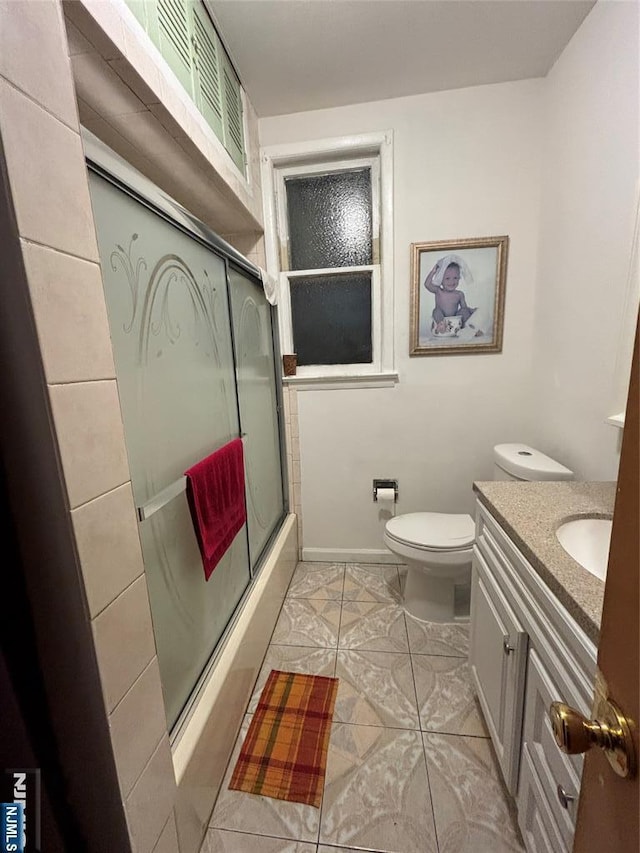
(257, 398)
(171, 328)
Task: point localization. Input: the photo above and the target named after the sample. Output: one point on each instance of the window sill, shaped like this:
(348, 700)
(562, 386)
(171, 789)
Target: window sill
(332, 383)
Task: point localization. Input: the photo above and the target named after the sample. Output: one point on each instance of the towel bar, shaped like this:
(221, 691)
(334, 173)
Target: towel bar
(165, 495)
(161, 499)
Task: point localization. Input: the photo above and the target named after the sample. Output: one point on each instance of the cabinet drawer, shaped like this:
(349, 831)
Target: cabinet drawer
(498, 656)
(552, 766)
(537, 824)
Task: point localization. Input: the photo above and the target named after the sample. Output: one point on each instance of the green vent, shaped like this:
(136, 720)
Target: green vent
(208, 94)
(185, 36)
(174, 41)
(233, 136)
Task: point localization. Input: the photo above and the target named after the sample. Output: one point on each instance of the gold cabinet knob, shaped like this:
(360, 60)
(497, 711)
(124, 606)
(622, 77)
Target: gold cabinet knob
(612, 733)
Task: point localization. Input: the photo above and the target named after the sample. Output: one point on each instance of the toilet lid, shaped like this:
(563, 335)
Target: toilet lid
(433, 530)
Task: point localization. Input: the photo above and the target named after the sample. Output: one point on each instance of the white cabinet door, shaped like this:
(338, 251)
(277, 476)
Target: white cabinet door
(498, 655)
(557, 775)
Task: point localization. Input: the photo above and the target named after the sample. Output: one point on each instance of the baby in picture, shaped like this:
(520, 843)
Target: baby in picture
(443, 282)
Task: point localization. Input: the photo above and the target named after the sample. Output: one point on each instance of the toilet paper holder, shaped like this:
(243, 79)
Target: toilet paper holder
(385, 484)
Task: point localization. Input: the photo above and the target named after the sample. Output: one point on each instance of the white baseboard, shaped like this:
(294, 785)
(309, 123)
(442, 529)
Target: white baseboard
(348, 555)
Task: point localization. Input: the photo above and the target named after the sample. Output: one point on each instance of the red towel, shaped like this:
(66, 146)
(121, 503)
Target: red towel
(215, 490)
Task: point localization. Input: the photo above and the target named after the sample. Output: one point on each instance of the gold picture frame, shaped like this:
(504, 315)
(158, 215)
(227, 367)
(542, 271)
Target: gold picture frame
(457, 296)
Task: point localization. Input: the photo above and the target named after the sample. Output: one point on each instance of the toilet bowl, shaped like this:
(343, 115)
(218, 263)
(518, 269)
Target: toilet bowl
(437, 547)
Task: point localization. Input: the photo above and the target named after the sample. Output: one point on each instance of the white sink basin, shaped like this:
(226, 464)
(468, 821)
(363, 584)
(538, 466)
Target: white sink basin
(587, 541)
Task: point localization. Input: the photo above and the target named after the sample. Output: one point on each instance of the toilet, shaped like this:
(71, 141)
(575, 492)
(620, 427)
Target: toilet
(437, 547)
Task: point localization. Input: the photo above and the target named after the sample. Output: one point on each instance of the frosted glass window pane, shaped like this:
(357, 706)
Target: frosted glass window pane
(331, 318)
(170, 326)
(329, 220)
(257, 399)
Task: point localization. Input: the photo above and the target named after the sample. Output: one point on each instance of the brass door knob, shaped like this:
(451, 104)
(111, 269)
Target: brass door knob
(612, 733)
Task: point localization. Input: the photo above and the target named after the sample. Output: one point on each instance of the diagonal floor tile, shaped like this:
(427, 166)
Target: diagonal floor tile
(446, 700)
(371, 583)
(369, 626)
(473, 813)
(223, 841)
(438, 638)
(252, 813)
(304, 659)
(376, 792)
(317, 580)
(308, 622)
(376, 689)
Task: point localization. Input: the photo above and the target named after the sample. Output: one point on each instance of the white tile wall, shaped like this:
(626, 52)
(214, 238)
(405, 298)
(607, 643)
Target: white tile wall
(90, 437)
(138, 724)
(168, 841)
(86, 113)
(77, 43)
(140, 69)
(66, 292)
(105, 131)
(151, 799)
(47, 175)
(100, 21)
(124, 641)
(98, 84)
(108, 545)
(33, 56)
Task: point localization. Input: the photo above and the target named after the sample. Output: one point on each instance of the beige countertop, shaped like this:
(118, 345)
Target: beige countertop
(531, 513)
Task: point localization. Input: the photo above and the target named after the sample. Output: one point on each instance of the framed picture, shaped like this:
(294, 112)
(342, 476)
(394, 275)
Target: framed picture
(457, 296)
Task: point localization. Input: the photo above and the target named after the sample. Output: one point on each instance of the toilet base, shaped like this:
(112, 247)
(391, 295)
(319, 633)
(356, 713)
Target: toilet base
(431, 598)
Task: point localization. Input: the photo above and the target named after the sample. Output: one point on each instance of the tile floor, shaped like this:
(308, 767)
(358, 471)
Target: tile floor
(410, 767)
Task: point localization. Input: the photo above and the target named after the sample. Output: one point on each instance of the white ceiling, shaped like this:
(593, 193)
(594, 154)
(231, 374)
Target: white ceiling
(296, 55)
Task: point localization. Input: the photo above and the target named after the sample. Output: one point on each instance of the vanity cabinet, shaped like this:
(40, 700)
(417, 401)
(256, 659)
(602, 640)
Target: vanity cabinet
(498, 658)
(527, 651)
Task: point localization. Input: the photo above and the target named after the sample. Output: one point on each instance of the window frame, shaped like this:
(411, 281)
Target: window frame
(374, 150)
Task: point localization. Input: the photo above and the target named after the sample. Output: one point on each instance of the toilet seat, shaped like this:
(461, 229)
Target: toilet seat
(432, 531)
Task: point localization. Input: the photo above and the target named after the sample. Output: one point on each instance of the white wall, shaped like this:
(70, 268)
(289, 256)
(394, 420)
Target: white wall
(467, 164)
(590, 189)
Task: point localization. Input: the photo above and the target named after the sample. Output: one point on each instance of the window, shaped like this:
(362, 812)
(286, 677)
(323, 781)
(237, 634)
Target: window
(329, 239)
(185, 36)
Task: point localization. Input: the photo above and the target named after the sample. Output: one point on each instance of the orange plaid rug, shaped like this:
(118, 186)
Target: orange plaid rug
(284, 754)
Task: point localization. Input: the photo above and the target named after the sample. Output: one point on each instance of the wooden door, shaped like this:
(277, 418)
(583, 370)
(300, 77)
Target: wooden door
(609, 805)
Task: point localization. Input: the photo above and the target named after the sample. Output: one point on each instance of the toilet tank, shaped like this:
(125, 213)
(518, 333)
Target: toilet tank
(520, 462)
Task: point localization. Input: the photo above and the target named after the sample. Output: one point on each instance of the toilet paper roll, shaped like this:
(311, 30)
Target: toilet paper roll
(386, 499)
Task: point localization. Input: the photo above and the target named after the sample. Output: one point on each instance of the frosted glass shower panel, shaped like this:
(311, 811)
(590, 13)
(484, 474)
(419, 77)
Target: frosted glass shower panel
(170, 326)
(331, 318)
(189, 614)
(329, 220)
(253, 341)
